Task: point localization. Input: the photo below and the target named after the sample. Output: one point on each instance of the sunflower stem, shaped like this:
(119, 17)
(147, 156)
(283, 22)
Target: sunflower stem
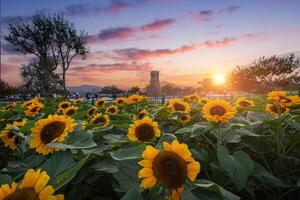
(210, 142)
(219, 139)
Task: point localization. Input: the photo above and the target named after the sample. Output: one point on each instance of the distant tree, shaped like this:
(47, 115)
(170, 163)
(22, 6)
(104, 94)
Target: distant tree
(48, 36)
(6, 89)
(40, 78)
(266, 74)
(243, 79)
(170, 89)
(188, 90)
(134, 90)
(111, 90)
(206, 85)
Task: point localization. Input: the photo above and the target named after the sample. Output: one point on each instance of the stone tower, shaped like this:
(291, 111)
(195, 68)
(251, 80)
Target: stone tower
(153, 89)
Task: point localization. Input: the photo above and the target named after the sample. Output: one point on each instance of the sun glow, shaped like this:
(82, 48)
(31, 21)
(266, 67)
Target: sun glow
(219, 79)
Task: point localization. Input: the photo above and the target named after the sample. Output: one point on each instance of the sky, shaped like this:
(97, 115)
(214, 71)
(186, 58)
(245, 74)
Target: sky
(185, 40)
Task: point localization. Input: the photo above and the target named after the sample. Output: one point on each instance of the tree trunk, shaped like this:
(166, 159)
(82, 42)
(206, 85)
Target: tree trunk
(64, 82)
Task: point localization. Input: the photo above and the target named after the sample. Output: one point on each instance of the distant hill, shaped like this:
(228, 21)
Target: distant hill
(85, 88)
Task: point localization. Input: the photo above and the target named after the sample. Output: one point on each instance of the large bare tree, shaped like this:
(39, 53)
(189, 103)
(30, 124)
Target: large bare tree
(48, 37)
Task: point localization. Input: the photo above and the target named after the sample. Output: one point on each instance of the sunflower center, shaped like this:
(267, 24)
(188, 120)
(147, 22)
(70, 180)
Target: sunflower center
(101, 120)
(217, 110)
(51, 131)
(23, 194)
(179, 107)
(28, 103)
(70, 112)
(111, 110)
(35, 109)
(145, 132)
(65, 105)
(10, 134)
(244, 103)
(91, 111)
(9, 106)
(100, 103)
(184, 118)
(170, 169)
(275, 109)
(284, 99)
(141, 115)
(120, 101)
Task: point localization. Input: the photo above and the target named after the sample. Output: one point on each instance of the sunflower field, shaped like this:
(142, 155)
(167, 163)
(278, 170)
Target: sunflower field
(133, 149)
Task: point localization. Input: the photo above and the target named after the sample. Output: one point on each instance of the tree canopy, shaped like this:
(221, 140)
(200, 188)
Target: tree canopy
(112, 89)
(266, 74)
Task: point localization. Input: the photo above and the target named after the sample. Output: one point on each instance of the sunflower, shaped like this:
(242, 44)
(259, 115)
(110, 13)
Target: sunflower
(295, 100)
(52, 129)
(32, 187)
(170, 167)
(10, 106)
(185, 119)
(192, 97)
(78, 101)
(143, 130)
(120, 100)
(64, 105)
(33, 109)
(142, 114)
(276, 110)
(91, 111)
(102, 120)
(71, 110)
(100, 102)
(218, 111)
(244, 103)
(279, 97)
(9, 139)
(133, 99)
(178, 105)
(203, 100)
(112, 110)
(29, 102)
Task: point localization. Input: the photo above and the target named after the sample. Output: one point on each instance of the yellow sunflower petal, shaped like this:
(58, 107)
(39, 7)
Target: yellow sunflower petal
(193, 169)
(46, 192)
(150, 153)
(145, 172)
(148, 182)
(41, 182)
(145, 163)
(167, 146)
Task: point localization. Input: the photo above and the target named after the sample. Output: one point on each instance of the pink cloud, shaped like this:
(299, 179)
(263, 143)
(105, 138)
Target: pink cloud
(157, 25)
(110, 68)
(201, 16)
(145, 54)
(113, 7)
(121, 33)
(208, 15)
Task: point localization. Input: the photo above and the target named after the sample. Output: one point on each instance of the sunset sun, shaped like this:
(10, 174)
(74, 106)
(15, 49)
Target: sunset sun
(219, 79)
